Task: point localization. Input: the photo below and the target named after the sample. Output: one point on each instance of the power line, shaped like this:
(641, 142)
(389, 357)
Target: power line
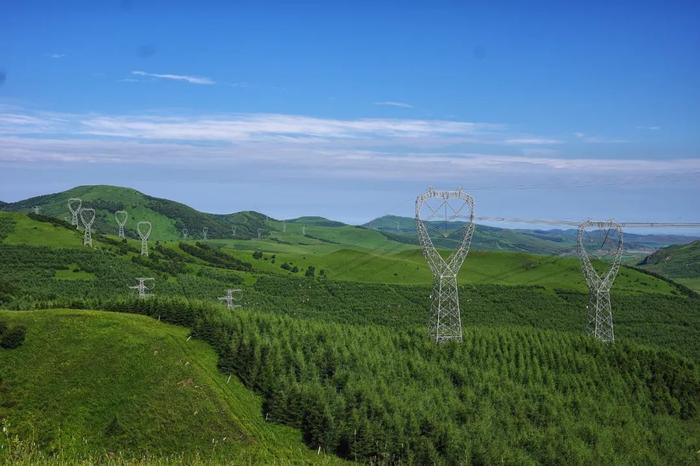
(573, 223)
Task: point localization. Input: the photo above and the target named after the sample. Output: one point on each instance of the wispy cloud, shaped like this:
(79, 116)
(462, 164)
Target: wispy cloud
(396, 149)
(649, 128)
(587, 138)
(532, 141)
(393, 103)
(56, 56)
(176, 77)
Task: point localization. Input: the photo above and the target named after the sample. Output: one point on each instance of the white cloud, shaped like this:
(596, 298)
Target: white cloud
(532, 141)
(393, 103)
(176, 77)
(583, 137)
(56, 56)
(396, 149)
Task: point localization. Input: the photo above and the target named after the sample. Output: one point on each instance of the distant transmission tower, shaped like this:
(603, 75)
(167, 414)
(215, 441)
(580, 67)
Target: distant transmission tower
(397, 226)
(260, 233)
(184, 233)
(303, 230)
(141, 288)
(205, 230)
(445, 206)
(36, 209)
(230, 298)
(599, 322)
(284, 227)
(233, 231)
(87, 216)
(121, 217)
(144, 231)
(74, 205)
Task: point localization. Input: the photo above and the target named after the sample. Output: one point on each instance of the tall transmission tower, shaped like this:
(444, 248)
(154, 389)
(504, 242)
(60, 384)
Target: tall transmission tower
(230, 299)
(205, 230)
(233, 230)
(184, 232)
(260, 230)
(303, 230)
(121, 217)
(36, 209)
(599, 321)
(144, 230)
(284, 227)
(87, 216)
(141, 288)
(74, 205)
(445, 206)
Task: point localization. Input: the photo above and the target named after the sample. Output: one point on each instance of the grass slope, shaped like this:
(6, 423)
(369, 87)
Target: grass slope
(677, 262)
(373, 286)
(87, 382)
(167, 217)
(505, 395)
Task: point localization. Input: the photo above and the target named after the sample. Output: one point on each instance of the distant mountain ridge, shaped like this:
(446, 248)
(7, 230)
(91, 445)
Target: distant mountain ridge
(556, 241)
(170, 218)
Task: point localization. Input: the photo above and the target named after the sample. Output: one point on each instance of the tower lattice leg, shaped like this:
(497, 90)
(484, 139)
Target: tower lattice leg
(445, 321)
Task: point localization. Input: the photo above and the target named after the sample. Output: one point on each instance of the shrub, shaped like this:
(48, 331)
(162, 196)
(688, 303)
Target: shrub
(13, 338)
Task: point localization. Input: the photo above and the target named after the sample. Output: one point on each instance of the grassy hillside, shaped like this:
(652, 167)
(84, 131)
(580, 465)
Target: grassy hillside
(389, 232)
(680, 262)
(342, 355)
(506, 394)
(85, 383)
(168, 217)
(389, 288)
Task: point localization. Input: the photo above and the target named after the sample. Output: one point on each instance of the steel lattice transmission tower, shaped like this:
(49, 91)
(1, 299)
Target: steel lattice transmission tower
(260, 230)
(230, 299)
(452, 209)
(74, 205)
(144, 231)
(205, 230)
(36, 209)
(121, 217)
(87, 216)
(599, 321)
(184, 233)
(141, 288)
(233, 231)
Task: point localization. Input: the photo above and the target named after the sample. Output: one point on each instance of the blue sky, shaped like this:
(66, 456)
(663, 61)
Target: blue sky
(350, 109)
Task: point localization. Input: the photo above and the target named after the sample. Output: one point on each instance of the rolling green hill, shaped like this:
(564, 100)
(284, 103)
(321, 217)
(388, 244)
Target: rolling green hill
(386, 395)
(388, 232)
(44, 263)
(87, 383)
(680, 262)
(341, 356)
(168, 217)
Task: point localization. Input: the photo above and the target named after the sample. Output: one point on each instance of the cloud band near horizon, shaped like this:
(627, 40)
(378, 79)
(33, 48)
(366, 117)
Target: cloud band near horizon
(310, 146)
